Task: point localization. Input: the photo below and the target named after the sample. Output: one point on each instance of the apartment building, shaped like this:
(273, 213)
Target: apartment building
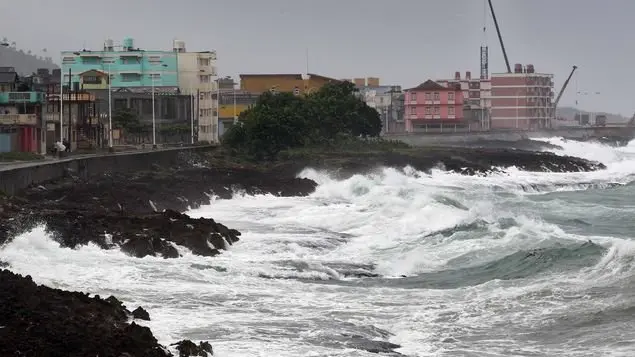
(20, 115)
(521, 100)
(433, 107)
(198, 78)
(386, 99)
(477, 98)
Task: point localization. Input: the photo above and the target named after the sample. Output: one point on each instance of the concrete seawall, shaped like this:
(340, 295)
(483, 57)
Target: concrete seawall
(450, 138)
(14, 178)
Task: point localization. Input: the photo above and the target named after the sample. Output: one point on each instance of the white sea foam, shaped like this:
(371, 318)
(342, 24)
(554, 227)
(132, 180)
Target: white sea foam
(261, 298)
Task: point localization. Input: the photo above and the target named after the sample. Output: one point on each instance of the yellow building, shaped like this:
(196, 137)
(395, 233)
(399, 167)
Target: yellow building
(292, 83)
(93, 79)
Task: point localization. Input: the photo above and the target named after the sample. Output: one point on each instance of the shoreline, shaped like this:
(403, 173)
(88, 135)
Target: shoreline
(79, 210)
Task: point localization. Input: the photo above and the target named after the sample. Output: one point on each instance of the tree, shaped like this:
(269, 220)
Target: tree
(128, 120)
(282, 121)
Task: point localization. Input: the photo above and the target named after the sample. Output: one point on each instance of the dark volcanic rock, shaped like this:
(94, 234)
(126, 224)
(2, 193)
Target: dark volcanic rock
(141, 314)
(467, 161)
(140, 235)
(37, 320)
(188, 348)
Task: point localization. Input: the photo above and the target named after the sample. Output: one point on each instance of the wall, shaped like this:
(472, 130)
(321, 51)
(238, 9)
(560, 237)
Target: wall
(14, 180)
(197, 74)
(259, 83)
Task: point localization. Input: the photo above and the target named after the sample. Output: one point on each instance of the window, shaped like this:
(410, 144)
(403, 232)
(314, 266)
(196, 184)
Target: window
(436, 96)
(154, 60)
(296, 91)
(437, 110)
(428, 96)
(413, 111)
(413, 96)
(450, 95)
(204, 78)
(203, 62)
(428, 110)
(92, 80)
(451, 111)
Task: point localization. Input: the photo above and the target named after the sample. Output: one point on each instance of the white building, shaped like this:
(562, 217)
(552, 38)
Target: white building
(197, 77)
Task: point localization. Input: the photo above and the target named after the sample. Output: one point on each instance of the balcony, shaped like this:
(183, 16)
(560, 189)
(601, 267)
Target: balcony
(71, 97)
(21, 97)
(18, 119)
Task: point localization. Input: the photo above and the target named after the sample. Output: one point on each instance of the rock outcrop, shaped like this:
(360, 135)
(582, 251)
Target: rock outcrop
(37, 320)
(140, 213)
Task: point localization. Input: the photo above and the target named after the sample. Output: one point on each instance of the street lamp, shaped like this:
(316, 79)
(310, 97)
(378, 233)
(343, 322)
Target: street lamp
(154, 126)
(110, 143)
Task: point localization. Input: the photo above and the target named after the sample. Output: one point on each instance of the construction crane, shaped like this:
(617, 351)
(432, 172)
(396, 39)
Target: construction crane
(500, 37)
(564, 86)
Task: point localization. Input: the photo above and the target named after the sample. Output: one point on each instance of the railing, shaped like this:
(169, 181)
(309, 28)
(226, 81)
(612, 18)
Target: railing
(21, 97)
(18, 119)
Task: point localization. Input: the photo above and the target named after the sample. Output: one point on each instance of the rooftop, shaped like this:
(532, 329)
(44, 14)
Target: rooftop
(430, 85)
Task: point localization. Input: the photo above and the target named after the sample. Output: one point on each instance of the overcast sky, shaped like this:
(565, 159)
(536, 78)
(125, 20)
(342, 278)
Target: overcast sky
(403, 42)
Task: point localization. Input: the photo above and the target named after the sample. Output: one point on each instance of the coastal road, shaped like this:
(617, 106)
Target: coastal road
(7, 166)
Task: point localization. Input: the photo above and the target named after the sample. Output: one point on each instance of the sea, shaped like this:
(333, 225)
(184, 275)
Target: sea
(507, 264)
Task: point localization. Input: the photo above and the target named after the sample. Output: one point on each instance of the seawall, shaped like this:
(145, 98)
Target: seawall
(460, 138)
(14, 178)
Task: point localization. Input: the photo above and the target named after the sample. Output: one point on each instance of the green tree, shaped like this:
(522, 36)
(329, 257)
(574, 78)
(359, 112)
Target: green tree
(282, 121)
(128, 120)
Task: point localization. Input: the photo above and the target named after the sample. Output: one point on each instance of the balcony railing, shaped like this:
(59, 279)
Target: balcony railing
(21, 97)
(18, 119)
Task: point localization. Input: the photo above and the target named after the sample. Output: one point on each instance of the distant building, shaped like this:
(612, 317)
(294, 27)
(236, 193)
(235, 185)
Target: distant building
(232, 104)
(476, 94)
(433, 107)
(183, 83)
(197, 75)
(290, 83)
(20, 115)
(388, 101)
(521, 100)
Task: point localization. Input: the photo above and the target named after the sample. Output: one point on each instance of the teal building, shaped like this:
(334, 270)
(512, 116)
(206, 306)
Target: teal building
(129, 66)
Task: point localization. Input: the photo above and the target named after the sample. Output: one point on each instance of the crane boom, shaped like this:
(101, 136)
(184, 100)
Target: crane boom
(564, 86)
(500, 37)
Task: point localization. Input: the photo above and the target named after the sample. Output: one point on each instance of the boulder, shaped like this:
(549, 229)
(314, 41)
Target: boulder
(141, 314)
(187, 348)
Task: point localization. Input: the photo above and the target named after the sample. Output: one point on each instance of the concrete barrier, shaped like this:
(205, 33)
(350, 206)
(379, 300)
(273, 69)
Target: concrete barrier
(14, 178)
(450, 138)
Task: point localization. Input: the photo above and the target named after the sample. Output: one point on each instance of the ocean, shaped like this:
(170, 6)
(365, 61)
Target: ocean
(507, 264)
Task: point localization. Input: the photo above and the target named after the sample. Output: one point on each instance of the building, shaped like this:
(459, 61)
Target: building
(476, 94)
(81, 127)
(130, 67)
(197, 78)
(232, 104)
(136, 76)
(291, 83)
(387, 100)
(521, 100)
(20, 115)
(433, 107)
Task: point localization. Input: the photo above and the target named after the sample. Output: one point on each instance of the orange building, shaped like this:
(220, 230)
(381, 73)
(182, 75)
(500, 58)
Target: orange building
(292, 83)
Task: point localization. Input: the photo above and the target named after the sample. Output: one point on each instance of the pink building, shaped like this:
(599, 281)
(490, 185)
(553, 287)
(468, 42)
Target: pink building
(522, 100)
(433, 107)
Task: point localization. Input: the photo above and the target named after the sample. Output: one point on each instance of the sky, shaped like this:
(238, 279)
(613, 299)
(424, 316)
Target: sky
(403, 42)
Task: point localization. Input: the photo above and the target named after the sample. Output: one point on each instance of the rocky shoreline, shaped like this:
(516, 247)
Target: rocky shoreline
(141, 214)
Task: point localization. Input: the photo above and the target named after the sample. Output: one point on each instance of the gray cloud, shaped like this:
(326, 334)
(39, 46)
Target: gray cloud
(402, 42)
